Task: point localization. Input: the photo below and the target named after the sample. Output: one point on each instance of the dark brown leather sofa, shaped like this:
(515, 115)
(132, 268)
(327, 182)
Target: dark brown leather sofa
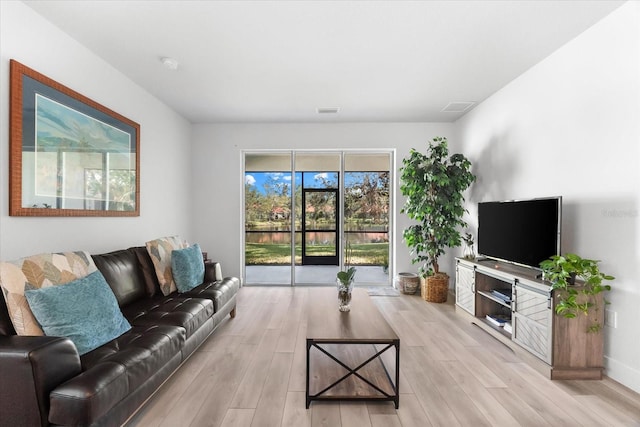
(44, 382)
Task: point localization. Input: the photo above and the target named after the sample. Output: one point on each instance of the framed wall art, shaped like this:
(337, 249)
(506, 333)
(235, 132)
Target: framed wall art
(69, 155)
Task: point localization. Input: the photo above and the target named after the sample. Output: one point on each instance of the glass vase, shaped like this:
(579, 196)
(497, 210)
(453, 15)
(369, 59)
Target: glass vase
(468, 252)
(344, 294)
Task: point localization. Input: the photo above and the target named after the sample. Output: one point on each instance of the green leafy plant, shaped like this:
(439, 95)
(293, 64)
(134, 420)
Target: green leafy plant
(346, 276)
(434, 184)
(468, 239)
(571, 299)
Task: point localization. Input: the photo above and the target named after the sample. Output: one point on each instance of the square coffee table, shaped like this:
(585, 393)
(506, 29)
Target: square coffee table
(351, 355)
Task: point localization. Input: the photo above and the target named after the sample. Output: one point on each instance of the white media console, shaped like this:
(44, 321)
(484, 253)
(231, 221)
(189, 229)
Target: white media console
(491, 291)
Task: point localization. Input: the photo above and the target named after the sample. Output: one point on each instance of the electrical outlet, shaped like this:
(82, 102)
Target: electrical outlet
(611, 318)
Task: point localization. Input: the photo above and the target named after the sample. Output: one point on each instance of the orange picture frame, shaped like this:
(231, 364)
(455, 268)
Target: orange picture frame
(69, 155)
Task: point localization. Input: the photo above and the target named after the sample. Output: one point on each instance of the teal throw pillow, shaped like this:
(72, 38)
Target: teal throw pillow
(84, 310)
(187, 267)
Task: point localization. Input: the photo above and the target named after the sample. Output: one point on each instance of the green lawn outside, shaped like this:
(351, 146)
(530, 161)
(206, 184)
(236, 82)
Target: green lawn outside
(280, 254)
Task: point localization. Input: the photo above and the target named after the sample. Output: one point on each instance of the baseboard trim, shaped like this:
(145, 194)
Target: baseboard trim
(621, 373)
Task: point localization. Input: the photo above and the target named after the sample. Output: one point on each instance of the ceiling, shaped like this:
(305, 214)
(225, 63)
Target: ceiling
(279, 61)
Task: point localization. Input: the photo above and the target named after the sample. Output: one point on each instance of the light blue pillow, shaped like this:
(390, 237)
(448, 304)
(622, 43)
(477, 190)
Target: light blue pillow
(85, 311)
(187, 267)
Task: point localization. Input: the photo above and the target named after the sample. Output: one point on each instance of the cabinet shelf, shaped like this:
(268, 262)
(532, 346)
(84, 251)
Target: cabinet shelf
(494, 298)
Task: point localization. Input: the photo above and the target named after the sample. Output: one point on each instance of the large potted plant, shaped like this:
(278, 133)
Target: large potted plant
(572, 298)
(434, 183)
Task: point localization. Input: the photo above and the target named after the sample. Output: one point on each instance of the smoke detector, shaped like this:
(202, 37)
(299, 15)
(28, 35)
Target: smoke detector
(169, 63)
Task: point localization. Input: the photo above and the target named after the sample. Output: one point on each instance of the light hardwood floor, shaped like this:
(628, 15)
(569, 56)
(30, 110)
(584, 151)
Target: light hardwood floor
(251, 372)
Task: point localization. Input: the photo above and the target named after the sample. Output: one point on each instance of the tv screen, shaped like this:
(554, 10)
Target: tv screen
(523, 232)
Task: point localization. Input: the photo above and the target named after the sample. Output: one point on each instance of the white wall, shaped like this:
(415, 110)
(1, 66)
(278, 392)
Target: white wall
(570, 126)
(218, 180)
(26, 37)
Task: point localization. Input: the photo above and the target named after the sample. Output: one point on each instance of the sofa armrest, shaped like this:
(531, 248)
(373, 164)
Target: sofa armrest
(212, 271)
(30, 367)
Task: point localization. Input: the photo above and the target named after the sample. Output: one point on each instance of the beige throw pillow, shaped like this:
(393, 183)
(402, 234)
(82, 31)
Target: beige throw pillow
(160, 253)
(35, 272)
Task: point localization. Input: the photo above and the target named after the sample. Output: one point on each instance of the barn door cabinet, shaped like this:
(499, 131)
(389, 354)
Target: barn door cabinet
(514, 305)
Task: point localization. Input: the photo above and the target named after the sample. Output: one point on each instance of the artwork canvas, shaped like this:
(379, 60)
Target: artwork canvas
(69, 155)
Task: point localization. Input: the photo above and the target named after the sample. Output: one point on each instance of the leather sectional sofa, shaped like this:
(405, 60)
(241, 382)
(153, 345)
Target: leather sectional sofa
(43, 380)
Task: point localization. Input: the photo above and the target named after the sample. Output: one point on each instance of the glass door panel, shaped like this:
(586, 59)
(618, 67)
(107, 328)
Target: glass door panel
(267, 219)
(366, 213)
(320, 244)
(319, 214)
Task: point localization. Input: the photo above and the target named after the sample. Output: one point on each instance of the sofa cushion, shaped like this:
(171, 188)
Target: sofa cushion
(85, 311)
(113, 371)
(188, 313)
(187, 267)
(220, 292)
(35, 272)
(148, 270)
(160, 252)
(122, 272)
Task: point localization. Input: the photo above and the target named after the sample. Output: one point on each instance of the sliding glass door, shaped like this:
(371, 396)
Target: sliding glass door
(302, 209)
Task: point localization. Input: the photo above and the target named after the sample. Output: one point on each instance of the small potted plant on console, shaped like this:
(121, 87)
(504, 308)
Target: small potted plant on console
(434, 183)
(581, 297)
(468, 252)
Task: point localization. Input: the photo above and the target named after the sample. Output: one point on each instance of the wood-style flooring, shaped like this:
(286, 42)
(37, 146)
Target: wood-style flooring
(251, 372)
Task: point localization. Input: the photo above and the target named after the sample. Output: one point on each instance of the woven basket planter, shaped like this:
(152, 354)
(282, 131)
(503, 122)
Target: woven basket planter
(435, 288)
(407, 283)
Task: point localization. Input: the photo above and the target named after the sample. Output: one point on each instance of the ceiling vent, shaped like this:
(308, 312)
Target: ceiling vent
(328, 110)
(457, 107)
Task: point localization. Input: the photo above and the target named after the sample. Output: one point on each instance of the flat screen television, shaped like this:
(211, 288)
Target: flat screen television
(523, 232)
